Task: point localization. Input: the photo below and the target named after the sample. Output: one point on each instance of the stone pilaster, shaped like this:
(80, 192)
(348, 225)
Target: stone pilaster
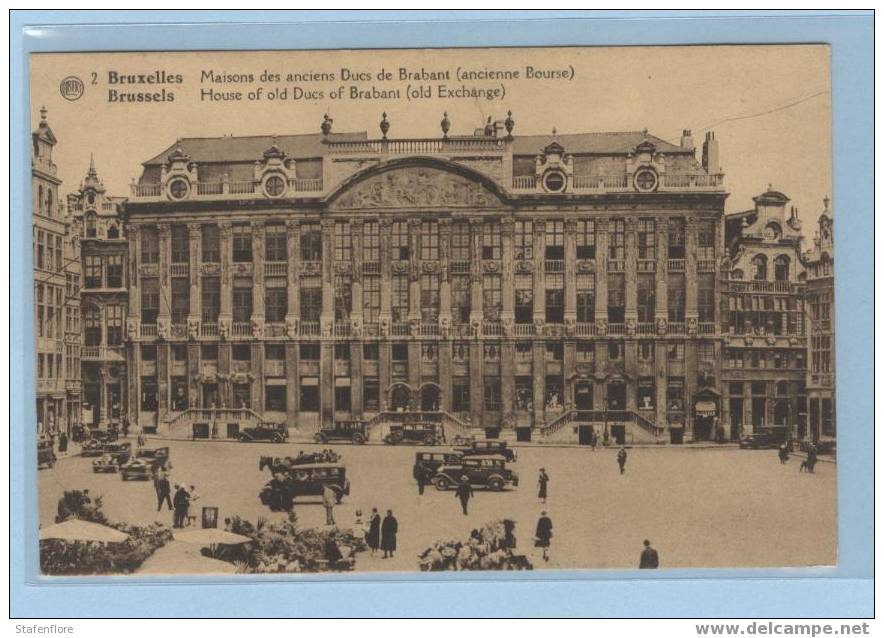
(445, 285)
(164, 232)
(327, 314)
(602, 226)
(194, 237)
(258, 243)
(539, 243)
(356, 302)
(691, 269)
(414, 284)
(631, 313)
(356, 379)
(570, 272)
(257, 384)
(476, 300)
(445, 373)
(661, 301)
(477, 384)
(539, 378)
(293, 281)
(225, 315)
(133, 233)
(385, 316)
(292, 385)
(507, 315)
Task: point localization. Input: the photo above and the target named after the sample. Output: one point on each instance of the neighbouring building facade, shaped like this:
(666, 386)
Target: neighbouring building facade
(103, 300)
(820, 268)
(55, 299)
(530, 285)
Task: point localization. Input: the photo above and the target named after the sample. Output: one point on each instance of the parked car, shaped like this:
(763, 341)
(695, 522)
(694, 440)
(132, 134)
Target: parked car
(95, 442)
(764, 438)
(272, 432)
(489, 472)
(137, 469)
(304, 480)
(106, 464)
(353, 431)
(462, 440)
(427, 433)
(45, 454)
(434, 460)
(154, 457)
(486, 447)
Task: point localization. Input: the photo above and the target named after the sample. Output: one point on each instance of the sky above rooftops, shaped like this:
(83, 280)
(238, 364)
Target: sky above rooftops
(768, 105)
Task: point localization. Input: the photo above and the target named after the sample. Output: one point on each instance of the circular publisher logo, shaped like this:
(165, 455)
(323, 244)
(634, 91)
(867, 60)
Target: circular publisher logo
(72, 88)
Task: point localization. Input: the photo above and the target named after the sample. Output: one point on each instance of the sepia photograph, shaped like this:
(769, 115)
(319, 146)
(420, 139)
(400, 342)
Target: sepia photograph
(433, 310)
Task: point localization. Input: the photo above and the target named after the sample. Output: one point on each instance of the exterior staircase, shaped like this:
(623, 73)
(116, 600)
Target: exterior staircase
(639, 429)
(216, 423)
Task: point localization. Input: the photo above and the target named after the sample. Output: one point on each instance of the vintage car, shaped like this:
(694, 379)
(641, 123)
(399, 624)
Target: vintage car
(432, 461)
(272, 432)
(463, 440)
(764, 438)
(105, 464)
(155, 457)
(354, 431)
(45, 454)
(484, 447)
(304, 480)
(481, 471)
(137, 470)
(95, 442)
(420, 432)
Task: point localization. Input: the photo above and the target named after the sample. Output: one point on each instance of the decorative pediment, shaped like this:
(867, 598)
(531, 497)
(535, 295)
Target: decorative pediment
(416, 187)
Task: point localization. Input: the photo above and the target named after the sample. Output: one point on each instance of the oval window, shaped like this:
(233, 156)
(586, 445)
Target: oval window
(274, 186)
(178, 188)
(554, 181)
(646, 180)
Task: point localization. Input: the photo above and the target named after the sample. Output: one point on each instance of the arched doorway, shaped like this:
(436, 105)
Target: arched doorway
(706, 423)
(400, 397)
(431, 397)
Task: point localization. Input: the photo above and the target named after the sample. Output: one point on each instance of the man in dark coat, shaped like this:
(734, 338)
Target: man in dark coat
(63, 443)
(373, 536)
(542, 481)
(164, 490)
(389, 529)
(464, 492)
(649, 558)
(621, 459)
(181, 501)
(422, 477)
(543, 534)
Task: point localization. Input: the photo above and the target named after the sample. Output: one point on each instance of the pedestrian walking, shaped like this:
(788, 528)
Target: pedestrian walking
(140, 437)
(783, 453)
(422, 476)
(373, 536)
(649, 558)
(543, 534)
(189, 515)
(125, 428)
(180, 502)
(621, 459)
(328, 500)
(542, 480)
(63, 444)
(464, 492)
(161, 485)
(389, 529)
(595, 440)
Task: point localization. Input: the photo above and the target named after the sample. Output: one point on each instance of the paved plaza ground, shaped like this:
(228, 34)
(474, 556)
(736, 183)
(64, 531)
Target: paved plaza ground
(700, 507)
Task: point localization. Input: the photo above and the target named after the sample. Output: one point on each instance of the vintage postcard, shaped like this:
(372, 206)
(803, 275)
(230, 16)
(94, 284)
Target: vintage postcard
(425, 310)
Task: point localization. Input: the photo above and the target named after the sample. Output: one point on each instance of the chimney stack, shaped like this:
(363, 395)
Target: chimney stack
(710, 154)
(687, 142)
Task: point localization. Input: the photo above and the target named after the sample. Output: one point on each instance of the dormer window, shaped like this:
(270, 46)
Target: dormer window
(554, 181)
(90, 198)
(645, 180)
(274, 186)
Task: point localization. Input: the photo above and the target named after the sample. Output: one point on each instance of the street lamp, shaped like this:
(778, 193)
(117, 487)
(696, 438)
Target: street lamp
(606, 420)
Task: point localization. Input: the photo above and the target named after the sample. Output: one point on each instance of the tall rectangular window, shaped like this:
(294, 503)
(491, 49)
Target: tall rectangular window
(91, 326)
(429, 240)
(114, 268)
(343, 242)
(180, 299)
(400, 298)
(242, 300)
(311, 303)
(555, 298)
(460, 241)
(646, 239)
(706, 239)
(555, 240)
(492, 297)
(343, 297)
(585, 298)
(242, 243)
(491, 240)
(371, 298)
(706, 296)
(524, 240)
(92, 271)
(311, 242)
(180, 244)
(150, 300)
(211, 299)
(59, 262)
(617, 239)
(585, 239)
(675, 292)
(616, 298)
(460, 394)
(401, 247)
(114, 325)
(276, 243)
(429, 298)
(460, 298)
(211, 244)
(371, 243)
(150, 245)
(492, 394)
(524, 306)
(275, 304)
(646, 285)
(371, 393)
(676, 228)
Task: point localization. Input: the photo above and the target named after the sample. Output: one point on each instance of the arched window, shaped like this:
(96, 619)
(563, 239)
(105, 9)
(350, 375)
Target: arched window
(737, 274)
(759, 263)
(781, 268)
(91, 228)
(113, 232)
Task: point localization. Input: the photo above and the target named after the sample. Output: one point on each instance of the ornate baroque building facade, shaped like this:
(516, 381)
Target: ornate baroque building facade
(541, 284)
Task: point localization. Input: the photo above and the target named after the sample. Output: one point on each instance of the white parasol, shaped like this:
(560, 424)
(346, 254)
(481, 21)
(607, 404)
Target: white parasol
(76, 530)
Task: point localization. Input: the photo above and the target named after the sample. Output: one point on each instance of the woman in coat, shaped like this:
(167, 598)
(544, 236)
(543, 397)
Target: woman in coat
(389, 529)
(373, 536)
(543, 534)
(541, 482)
